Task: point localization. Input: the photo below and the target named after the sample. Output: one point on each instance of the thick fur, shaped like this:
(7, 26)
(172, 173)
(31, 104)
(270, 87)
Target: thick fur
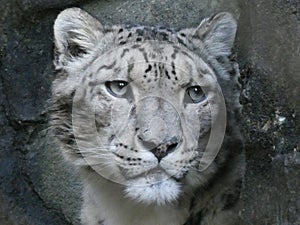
(143, 156)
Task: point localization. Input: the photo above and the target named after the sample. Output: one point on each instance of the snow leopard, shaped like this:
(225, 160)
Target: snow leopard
(149, 117)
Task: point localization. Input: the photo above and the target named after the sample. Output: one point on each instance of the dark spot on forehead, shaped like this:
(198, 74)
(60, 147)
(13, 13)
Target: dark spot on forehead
(167, 74)
(144, 54)
(149, 68)
(136, 46)
(173, 71)
(181, 41)
(161, 66)
(165, 36)
(130, 67)
(107, 67)
(173, 65)
(173, 56)
(155, 70)
(124, 51)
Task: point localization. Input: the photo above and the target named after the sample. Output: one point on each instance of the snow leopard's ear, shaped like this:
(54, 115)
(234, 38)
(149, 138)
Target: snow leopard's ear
(217, 33)
(75, 33)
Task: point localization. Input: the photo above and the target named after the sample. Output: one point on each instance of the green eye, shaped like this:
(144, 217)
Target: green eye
(196, 94)
(117, 88)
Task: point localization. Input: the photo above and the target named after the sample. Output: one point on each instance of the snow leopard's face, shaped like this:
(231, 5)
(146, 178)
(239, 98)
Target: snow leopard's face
(141, 106)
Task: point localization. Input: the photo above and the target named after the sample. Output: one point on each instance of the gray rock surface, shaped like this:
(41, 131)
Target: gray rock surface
(37, 187)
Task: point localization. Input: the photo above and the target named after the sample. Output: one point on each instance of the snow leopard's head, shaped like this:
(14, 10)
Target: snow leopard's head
(144, 106)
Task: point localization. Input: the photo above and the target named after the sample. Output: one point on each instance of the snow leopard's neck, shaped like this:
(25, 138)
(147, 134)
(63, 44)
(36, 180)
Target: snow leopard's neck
(111, 207)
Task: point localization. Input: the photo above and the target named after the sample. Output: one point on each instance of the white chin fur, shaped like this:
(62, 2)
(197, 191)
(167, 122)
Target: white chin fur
(160, 192)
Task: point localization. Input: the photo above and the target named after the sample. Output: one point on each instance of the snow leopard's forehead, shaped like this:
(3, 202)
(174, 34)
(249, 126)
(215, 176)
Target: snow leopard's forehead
(152, 64)
(127, 33)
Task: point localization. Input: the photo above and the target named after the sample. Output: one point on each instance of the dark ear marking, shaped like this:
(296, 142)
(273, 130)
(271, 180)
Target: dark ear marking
(75, 50)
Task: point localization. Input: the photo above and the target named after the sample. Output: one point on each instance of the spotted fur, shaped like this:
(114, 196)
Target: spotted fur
(140, 153)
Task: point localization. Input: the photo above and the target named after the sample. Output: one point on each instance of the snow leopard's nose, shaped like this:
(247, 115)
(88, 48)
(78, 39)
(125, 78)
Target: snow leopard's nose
(163, 149)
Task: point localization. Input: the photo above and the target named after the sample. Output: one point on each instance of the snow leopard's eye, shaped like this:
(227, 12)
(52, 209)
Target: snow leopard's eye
(195, 94)
(117, 88)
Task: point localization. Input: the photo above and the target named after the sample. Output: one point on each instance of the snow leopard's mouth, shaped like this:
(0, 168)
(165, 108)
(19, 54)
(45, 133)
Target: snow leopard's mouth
(155, 175)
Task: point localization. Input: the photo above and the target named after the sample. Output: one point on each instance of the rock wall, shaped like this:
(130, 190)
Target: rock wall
(37, 187)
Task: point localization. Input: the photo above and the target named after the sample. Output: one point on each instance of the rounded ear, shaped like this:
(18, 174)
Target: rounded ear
(217, 33)
(75, 33)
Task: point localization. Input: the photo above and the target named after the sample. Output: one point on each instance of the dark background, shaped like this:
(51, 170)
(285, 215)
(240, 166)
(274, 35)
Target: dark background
(37, 187)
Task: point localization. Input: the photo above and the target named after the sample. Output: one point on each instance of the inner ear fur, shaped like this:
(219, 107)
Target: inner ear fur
(76, 33)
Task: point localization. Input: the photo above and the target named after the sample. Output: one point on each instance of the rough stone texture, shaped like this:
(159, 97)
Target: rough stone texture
(40, 5)
(37, 187)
